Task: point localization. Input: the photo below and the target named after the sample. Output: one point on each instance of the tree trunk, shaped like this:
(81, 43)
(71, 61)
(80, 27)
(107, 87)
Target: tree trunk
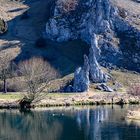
(4, 86)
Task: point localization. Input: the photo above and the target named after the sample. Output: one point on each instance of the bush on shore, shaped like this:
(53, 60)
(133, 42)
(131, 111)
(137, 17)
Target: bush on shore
(134, 89)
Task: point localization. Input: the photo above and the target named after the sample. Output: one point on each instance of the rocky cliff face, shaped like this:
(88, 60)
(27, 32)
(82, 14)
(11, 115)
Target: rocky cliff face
(81, 77)
(88, 17)
(117, 38)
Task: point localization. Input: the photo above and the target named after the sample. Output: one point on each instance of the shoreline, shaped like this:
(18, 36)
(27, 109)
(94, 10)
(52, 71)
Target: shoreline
(79, 99)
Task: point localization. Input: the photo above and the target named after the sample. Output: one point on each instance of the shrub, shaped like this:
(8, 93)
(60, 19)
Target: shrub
(134, 89)
(67, 5)
(3, 26)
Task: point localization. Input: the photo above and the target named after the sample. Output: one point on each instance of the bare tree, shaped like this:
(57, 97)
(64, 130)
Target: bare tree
(36, 73)
(6, 69)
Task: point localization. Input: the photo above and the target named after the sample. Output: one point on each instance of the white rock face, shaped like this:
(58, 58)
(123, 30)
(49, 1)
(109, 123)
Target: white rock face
(81, 77)
(90, 16)
(103, 26)
(96, 73)
(112, 24)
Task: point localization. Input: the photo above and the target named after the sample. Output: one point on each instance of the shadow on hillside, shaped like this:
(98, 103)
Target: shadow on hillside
(129, 46)
(27, 28)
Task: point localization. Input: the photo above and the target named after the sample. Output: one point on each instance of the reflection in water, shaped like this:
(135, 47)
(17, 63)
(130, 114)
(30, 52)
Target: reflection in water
(31, 126)
(96, 123)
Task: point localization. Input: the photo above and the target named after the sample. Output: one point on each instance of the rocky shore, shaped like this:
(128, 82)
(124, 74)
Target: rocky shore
(75, 100)
(9, 104)
(133, 114)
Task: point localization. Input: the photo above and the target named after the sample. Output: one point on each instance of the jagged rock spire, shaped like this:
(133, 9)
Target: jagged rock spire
(90, 70)
(96, 73)
(81, 77)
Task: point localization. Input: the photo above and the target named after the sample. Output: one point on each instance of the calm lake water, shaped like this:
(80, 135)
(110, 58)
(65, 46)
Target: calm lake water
(74, 123)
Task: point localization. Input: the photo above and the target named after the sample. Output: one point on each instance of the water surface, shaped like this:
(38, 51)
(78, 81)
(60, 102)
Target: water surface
(73, 123)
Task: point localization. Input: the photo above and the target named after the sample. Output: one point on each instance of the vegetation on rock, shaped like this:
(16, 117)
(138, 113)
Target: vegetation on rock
(3, 26)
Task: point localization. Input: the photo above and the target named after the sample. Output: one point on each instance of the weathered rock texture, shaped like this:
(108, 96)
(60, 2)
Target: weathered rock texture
(117, 28)
(91, 69)
(81, 77)
(96, 73)
(111, 31)
(3, 26)
(88, 17)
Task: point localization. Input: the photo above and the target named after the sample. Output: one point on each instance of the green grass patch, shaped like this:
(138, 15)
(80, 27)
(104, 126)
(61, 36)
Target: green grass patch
(10, 96)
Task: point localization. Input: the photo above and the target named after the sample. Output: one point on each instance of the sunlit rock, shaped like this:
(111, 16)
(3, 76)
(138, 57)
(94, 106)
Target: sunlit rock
(106, 27)
(81, 77)
(96, 73)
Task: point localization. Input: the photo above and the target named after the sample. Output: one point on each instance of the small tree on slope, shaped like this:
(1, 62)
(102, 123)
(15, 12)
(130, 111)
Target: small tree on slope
(36, 74)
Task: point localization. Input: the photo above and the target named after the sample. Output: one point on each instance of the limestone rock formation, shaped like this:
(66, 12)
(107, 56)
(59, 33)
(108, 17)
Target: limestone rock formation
(91, 69)
(116, 26)
(81, 77)
(96, 73)
(104, 87)
(107, 26)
